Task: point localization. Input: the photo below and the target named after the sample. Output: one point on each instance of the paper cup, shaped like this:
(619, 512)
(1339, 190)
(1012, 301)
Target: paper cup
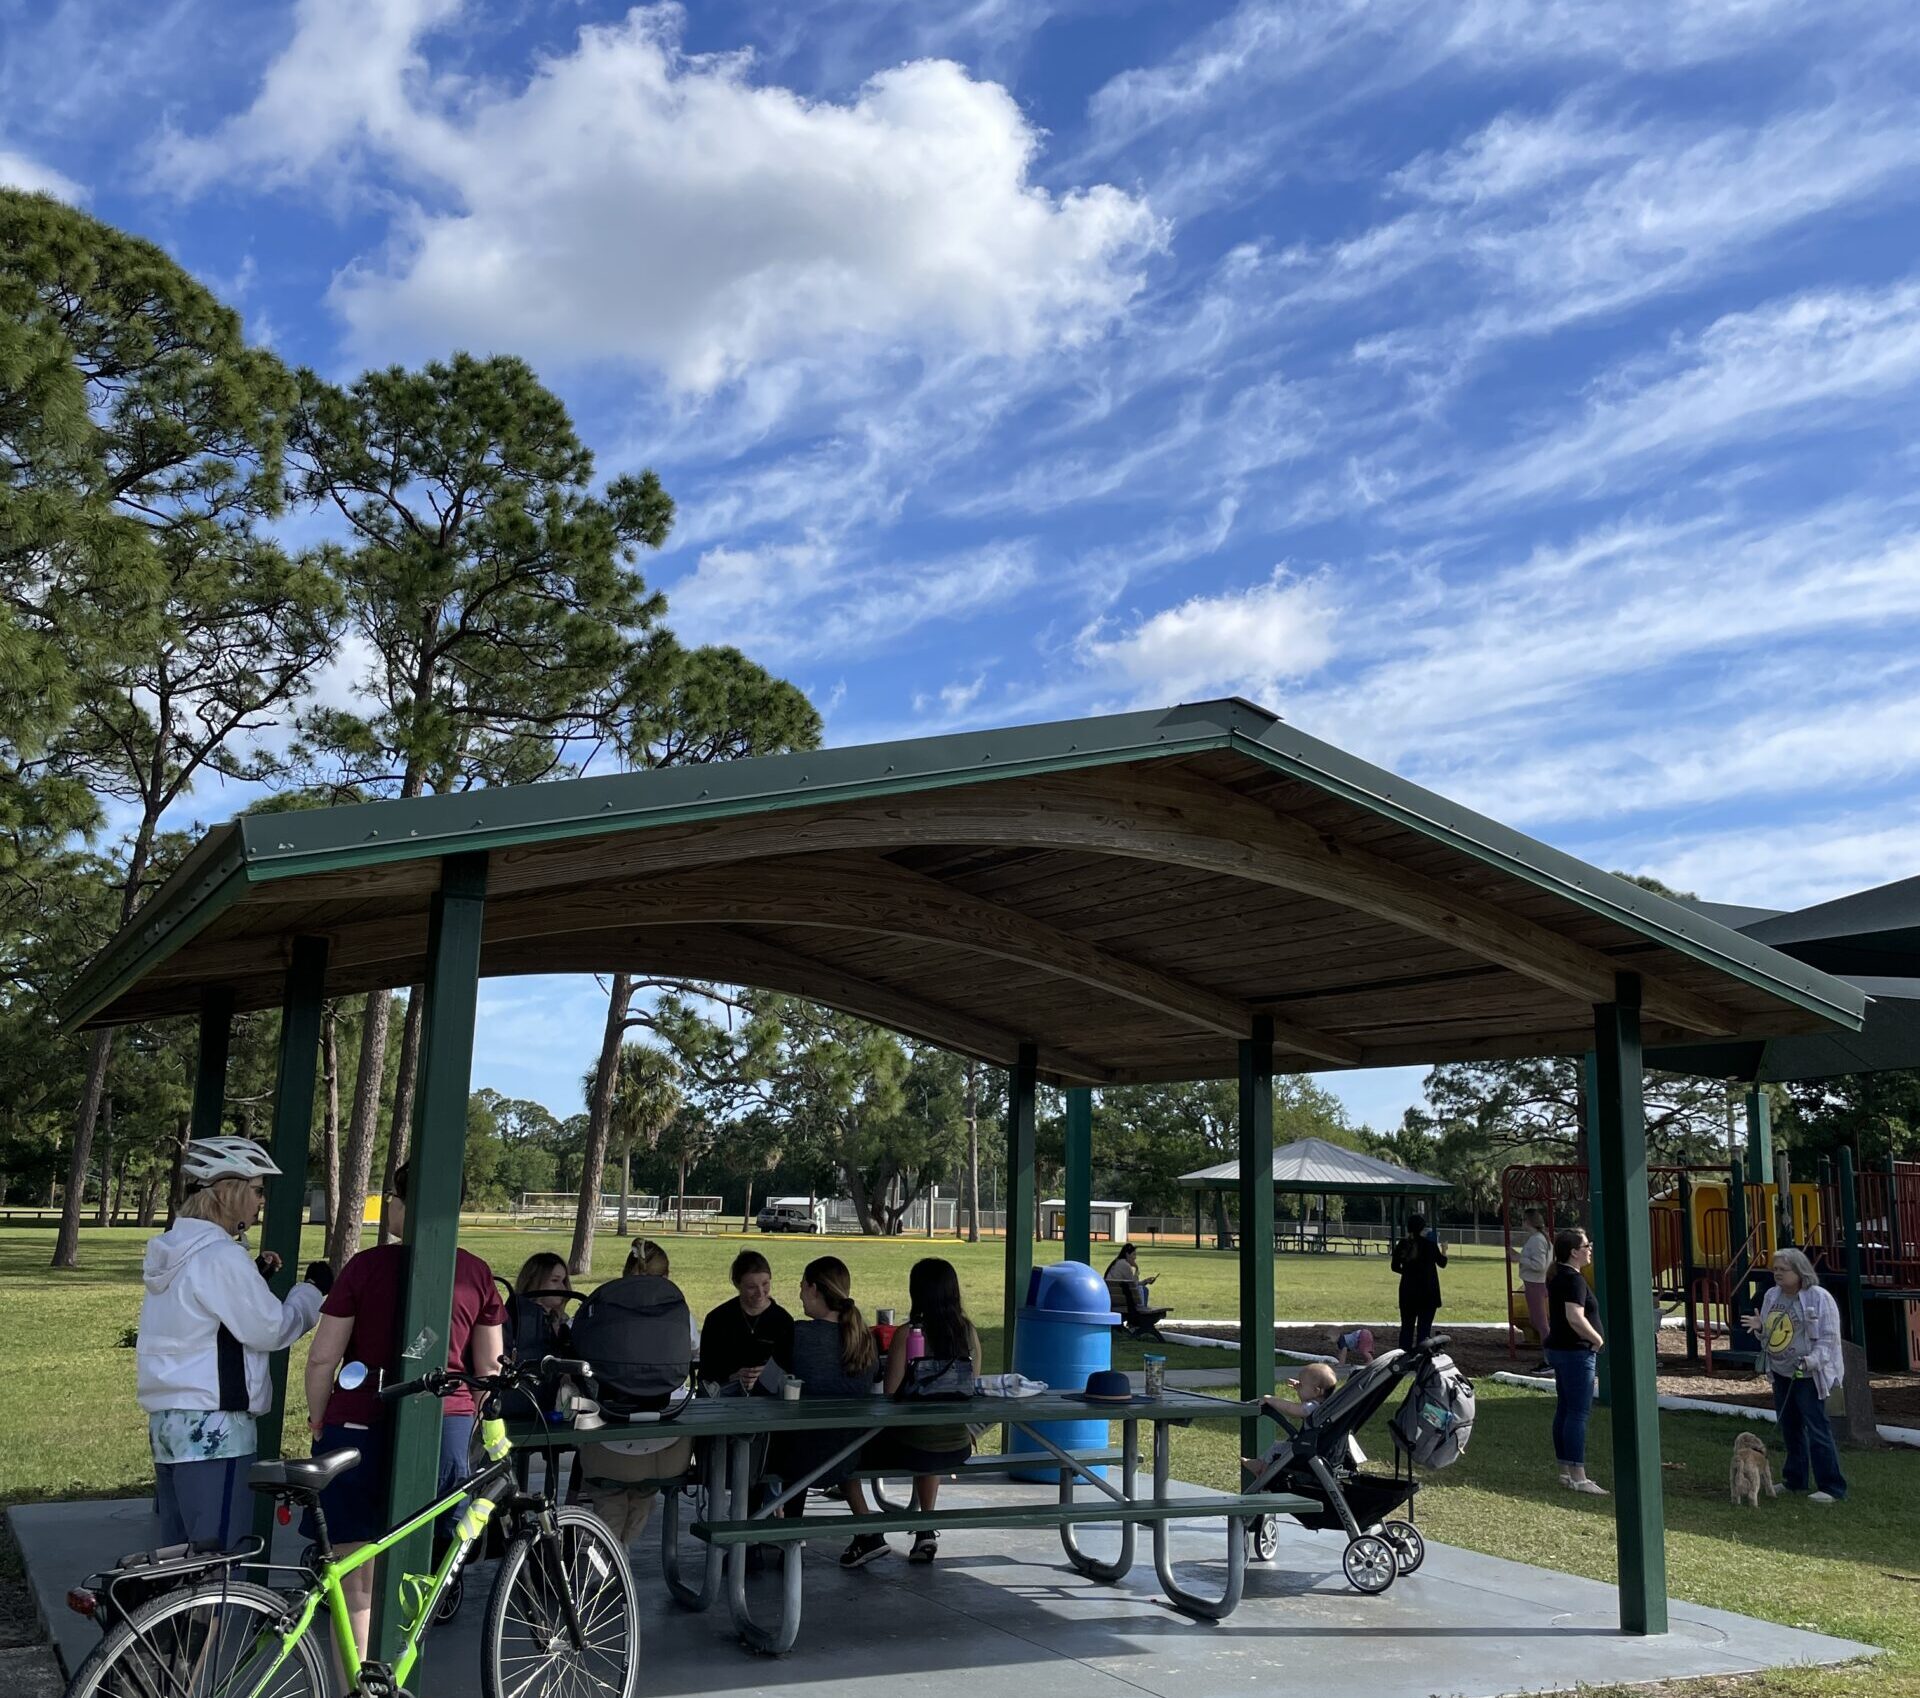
(790, 1391)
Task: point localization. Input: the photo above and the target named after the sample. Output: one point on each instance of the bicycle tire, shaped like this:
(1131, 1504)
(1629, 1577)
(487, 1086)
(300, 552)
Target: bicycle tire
(526, 1625)
(137, 1659)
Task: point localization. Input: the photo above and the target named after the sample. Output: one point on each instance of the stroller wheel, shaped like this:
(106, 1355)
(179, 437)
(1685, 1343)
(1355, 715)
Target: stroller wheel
(1370, 1562)
(1263, 1537)
(1408, 1546)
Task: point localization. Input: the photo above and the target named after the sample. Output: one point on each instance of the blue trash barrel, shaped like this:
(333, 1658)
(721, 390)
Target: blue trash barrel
(1065, 1334)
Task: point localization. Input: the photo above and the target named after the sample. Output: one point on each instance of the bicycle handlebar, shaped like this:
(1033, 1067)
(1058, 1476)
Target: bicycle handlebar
(442, 1382)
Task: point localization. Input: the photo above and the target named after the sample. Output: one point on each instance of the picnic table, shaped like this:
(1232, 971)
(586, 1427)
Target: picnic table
(733, 1424)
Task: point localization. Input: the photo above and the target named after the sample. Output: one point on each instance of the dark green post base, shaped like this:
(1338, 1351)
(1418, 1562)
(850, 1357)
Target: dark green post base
(1022, 1088)
(300, 1011)
(1619, 1157)
(433, 1215)
(1256, 1230)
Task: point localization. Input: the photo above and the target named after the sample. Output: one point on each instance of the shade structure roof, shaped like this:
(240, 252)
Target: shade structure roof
(1871, 938)
(1125, 892)
(1312, 1165)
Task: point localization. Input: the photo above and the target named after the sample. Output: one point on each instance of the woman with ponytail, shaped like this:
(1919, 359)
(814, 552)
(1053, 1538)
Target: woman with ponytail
(833, 1356)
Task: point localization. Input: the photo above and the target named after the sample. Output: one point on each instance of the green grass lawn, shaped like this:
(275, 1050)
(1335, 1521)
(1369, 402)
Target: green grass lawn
(1853, 1570)
(73, 1429)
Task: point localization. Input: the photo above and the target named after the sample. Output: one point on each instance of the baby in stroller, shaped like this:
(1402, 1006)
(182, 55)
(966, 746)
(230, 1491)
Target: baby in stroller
(1318, 1457)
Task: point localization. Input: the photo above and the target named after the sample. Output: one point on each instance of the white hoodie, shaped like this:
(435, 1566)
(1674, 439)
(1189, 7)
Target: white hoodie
(200, 1278)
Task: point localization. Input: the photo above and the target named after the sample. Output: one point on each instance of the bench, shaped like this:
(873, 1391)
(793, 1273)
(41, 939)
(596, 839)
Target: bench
(989, 1467)
(782, 1530)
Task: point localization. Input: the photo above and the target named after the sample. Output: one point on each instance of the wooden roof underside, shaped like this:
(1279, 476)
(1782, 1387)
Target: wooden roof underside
(1130, 919)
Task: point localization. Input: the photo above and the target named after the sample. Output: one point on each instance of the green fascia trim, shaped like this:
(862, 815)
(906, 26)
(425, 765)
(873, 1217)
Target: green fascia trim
(271, 847)
(1667, 923)
(211, 879)
(376, 833)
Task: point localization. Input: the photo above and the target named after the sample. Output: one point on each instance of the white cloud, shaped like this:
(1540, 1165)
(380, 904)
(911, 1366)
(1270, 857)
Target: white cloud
(18, 171)
(791, 601)
(352, 77)
(1785, 368)
(1245, 641)
(1813, 859)
(636, 202)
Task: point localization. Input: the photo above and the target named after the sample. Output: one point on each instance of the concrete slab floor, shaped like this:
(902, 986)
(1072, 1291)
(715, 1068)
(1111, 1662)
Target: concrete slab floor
(1000, 1611)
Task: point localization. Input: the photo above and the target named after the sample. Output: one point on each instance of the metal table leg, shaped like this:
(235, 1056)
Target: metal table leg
(714, 1558)
(1190, 1603)
(1091, 1567)
(780, 1640)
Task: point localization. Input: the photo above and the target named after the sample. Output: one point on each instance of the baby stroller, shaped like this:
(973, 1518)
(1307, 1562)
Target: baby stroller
(1318, 1460)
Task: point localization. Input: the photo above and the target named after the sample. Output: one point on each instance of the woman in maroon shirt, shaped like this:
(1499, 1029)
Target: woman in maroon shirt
(360, 1321)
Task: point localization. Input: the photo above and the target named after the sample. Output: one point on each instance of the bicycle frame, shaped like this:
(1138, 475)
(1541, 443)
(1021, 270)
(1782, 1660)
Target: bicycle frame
(476, 1511)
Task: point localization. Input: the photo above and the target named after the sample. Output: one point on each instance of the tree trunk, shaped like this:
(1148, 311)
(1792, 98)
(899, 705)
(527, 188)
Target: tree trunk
(626, 1183)
(680, 1200)
(330, 1109)
(593, 1160)
(356, 1166)
(746, 1213)
(400, 1135)
(103, 1211)
(149, 1199)
(973, 1152)
(1222, 1231)
(66, 1244)
(177, 1178)
(119, 1190)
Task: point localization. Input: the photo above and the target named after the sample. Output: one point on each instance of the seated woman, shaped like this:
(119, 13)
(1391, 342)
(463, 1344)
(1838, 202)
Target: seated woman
(833, 1356)
(540, 1315)
(952, 1355)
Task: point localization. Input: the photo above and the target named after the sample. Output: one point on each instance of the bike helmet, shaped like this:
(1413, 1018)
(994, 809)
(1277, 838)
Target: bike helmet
(209, 1160)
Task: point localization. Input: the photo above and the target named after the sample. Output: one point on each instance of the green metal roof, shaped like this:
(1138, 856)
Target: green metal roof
(266, 849)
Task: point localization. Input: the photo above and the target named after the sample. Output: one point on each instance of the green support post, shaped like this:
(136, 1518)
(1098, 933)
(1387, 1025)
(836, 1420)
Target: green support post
(1256, 1230)
(1738, 1228)
(287, 1196)
(1619, 1156)
(1759, 1135)
(1590, 1075)
(210, 1071)
(1850, 1226)
(433, 1215)
(1022, 1089)
(1079, 1198)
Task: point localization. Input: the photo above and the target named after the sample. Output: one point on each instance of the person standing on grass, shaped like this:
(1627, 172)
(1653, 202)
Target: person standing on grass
(360, 1321)
(1573, 1344)
(1535, 1257)
(1418, 1259)
(1799, 1331)
(208, 1323)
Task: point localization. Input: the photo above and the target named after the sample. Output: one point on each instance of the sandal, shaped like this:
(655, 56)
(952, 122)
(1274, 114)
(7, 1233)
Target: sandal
(1589, 1488)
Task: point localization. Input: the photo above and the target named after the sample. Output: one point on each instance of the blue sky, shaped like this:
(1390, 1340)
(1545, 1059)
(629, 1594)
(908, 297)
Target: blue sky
(1516, 392)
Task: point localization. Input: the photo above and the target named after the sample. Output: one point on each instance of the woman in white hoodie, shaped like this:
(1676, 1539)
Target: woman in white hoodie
(207, 1325)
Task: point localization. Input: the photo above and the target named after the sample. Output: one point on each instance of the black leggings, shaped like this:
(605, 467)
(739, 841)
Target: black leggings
(1415, 1324)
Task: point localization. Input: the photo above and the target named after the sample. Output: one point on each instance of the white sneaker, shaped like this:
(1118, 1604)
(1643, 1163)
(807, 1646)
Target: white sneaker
(1821, 1497)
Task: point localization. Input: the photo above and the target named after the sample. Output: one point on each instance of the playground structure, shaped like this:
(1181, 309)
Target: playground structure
(1714, 1233)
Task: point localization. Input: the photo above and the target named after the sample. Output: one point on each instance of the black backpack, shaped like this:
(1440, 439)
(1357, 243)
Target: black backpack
(636, 1333)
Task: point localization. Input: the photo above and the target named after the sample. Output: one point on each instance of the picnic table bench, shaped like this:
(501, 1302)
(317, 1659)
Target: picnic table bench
(735, 1423)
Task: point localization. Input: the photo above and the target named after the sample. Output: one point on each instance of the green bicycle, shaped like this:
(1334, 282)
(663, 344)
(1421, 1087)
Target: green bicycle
(563, 1616)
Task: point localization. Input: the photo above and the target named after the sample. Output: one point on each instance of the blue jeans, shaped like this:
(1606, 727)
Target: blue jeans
(1573, 1380)
(1803, 1426)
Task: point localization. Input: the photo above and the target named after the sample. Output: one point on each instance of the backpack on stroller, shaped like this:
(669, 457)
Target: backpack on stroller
(1317, 1460)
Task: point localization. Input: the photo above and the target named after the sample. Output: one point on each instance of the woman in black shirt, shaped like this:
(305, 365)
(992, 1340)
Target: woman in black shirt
(748, 1331)
(1418, 1259)
(1573, 1340)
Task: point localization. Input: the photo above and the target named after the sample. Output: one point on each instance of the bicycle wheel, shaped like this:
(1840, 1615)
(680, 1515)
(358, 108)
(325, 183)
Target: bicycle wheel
(527, 1651)
(215, 1641)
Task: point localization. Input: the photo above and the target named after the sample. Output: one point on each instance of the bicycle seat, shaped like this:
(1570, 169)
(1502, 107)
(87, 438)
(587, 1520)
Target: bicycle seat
(308, 1474)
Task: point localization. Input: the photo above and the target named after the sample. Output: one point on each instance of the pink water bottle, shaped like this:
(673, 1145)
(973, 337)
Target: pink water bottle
(916, 1344)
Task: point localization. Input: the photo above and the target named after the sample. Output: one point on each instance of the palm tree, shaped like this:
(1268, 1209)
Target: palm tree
(646, 1099)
